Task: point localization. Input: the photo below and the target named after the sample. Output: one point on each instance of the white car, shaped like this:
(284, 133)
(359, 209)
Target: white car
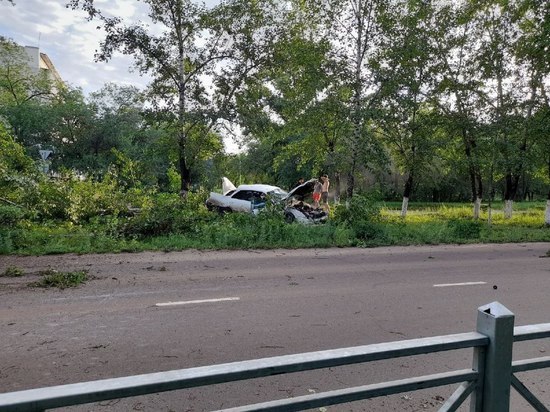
(252, 198)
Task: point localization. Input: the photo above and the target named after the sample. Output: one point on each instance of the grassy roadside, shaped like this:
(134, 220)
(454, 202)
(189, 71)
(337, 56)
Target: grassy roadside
(424, 224)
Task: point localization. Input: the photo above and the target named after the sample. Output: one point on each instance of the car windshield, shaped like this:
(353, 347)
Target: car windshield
(278, 193)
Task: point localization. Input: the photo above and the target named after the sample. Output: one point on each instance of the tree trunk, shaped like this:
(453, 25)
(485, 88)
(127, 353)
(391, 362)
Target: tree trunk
(337, 188)
(407, 194)
(473, 170)
(473, 184)
(185, 172)
(476, 198)
(404, 206)
(510, 194)
(508, 208)
(478, 195)
(350, 184)
(477, 207)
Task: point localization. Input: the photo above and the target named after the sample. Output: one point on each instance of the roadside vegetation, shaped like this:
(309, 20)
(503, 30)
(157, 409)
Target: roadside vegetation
(12, 272)
(62, 280)
(49, 278)
(434, 127)
(166, 222)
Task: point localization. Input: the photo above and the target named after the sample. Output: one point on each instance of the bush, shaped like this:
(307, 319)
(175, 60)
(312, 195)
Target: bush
(69, 198)
(17, 170)
(359, 209)
(465, 229)
(48, 199)
(365, 230)
(169, 213)
(10, 215)
(89, 199)
(6, 243)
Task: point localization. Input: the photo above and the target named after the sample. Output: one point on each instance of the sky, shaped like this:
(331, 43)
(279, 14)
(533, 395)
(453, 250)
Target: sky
(70, 41)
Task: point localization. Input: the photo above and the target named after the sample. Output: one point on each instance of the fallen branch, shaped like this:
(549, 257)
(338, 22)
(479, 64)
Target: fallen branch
(10, 202)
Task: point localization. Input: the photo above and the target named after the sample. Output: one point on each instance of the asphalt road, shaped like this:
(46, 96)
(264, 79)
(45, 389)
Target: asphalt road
(251, 304)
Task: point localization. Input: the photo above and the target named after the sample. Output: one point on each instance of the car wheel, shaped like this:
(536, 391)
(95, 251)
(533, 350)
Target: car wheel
(289, 217)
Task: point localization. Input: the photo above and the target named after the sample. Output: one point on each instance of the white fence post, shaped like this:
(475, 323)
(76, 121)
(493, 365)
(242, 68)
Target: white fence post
(494, 362)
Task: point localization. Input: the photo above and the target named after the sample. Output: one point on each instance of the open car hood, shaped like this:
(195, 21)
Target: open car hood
(304, 189)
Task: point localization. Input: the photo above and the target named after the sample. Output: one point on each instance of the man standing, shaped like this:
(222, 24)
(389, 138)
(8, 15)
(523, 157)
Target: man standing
(324, 192)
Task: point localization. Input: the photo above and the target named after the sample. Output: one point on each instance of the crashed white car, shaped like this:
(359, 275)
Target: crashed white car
(252, 198)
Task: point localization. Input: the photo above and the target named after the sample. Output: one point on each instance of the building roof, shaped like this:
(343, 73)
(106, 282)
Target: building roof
(51, 67)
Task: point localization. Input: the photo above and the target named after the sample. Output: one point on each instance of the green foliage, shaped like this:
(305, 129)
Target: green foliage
(12, 156)
(243, 231)
(62, 280)
(169, 213)
(12, 272)
(465, 229)
(88, 199)
(174, 180)
(370, 231)
(362, 216)
(187, 48)
(17, 170)
(6, 243)
(452, 96)
(178, 225)
(19, 84)
(10, 215)
(360, 208)
(48, 199)
(69, 198)
(48, 238)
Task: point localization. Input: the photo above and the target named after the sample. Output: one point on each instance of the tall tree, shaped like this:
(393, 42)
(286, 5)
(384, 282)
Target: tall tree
(89, 129)
(505, 90)
(353, 28)
(533, 17)
(294, 104)
(458, 95)
(410, 61)
(186, 61)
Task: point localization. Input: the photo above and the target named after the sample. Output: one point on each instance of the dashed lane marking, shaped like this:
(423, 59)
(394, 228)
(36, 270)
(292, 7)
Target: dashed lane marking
(443, 285)
(190, 302)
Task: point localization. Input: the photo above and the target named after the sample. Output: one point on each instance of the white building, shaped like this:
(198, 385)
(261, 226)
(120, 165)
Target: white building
(40, 61)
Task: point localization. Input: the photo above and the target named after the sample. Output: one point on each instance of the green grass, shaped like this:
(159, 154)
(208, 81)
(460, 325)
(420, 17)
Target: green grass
(62, 280)
(12, 272)
(425, 224)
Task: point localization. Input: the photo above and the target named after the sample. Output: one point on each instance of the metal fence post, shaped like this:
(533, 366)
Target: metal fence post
(494, 362)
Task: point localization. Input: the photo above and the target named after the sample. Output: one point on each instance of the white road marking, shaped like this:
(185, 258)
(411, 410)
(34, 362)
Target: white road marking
(443, 285)
(190, 302)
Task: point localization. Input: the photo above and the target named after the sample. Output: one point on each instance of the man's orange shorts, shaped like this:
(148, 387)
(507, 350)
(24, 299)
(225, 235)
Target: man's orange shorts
(316, 197)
